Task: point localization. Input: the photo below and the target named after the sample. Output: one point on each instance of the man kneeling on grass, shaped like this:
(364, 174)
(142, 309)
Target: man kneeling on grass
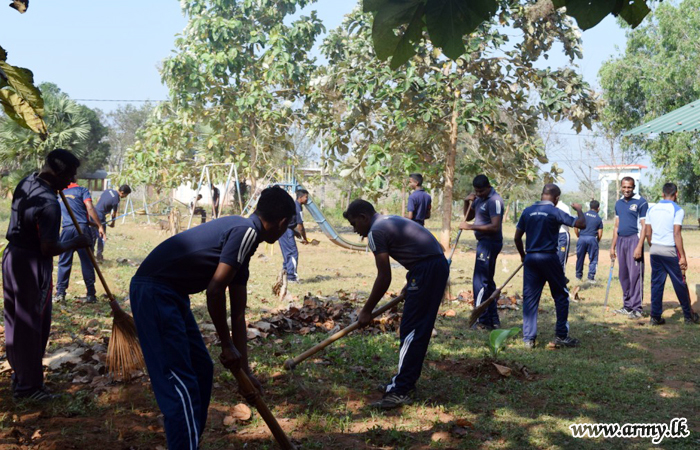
(417, 250)
(213, 256)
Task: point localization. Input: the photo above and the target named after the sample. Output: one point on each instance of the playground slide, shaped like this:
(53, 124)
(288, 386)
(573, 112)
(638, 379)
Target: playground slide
(328, 229)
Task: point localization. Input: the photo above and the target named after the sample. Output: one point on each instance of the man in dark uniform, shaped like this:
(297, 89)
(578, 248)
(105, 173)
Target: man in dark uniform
(27, 263)
(213, 257)
(80, 202)
(588, 240)
(415, 248)
(487, 212)
(215, 198)
(541, 223)
(630, 215)
(419, 202)
(108, 204)
(288, 245)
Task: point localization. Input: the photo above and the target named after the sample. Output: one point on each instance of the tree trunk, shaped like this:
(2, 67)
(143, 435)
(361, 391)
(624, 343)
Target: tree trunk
(507, 210)
(449, 179)
(403, 201)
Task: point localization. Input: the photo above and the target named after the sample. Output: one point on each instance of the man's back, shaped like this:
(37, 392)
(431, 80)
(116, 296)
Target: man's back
(662, 218)
(541, 223)
(76, 196)
(419, 203)
(593, 224)
(405, 241)
(108, 202)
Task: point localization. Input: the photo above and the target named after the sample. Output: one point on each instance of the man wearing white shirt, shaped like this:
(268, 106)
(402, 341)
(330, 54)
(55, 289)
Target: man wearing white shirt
(663, 226)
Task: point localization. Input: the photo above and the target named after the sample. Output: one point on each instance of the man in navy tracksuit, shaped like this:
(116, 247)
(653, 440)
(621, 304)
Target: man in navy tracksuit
(588, 240)
(419, 202)
(541, 223)
(213, 257)
(80, 202)
(417, 250)
(288, 244)
(108, 204)
(487, 212)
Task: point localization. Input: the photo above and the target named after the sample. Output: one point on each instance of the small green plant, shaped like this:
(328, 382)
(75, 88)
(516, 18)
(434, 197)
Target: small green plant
(497, 339)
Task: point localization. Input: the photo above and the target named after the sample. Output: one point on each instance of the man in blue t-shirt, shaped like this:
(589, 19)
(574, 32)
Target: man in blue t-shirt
(419, 202)
(415, 248)
(663, 227)
(288, 244)
(541, 222)
(27, 266)
(108, 204)
(80, 201)
(628, 247)
(487, 212)
(588, 240)
(213, 257)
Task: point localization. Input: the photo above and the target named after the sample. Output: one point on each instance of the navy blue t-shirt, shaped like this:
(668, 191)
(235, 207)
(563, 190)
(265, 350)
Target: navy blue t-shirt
(35, 215)
(418, 203)
(629, 214)
(77, 196)
(108, 202)
(297, 218)
(187, 261)
(593, 224)
(404, 240)
(541, 223)
(484, 211)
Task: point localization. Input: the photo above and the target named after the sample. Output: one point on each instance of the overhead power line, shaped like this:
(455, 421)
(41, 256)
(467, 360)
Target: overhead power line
(112, 100)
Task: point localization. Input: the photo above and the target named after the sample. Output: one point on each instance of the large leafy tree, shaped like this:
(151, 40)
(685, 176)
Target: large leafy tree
(400, 24)
(657, 74)
(124, 122)
(236, 83)
(479, 113)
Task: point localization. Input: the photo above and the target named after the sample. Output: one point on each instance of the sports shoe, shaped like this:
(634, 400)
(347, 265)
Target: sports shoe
(90, 299)
(636, 315)
(566, 342)
(529, 344)
(39, 395)
(392, 400)
(656, 321)
(382, 389)
(693, 319)
(59, 298)
(624, 311)
(99, 258)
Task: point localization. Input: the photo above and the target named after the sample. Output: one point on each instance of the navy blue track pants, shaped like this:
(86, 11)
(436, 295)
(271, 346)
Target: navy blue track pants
(541, 268)
(483, 283)
(65, 261)
(661, 267)
(290, 253)
(587, 245)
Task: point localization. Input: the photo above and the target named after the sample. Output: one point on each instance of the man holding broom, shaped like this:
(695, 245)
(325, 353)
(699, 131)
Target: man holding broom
(415, 248)
(213, 257)
(27, 263)
(541, 223)
(487, 212)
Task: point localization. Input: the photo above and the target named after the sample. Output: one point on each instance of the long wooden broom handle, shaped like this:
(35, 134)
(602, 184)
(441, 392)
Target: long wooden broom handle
(291, 363)
(264, 411)
(459, 233)
(497, 293)
(89, 249)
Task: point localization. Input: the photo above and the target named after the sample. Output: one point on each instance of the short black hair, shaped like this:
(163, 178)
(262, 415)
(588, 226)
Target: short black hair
(358, 207)
(301, 193)
(125, 189)
(481, 181)
(61, 160)
(418, 177)
(551, 189)
(670, 189)
(595, 204)
(634, 183)
(275, 204)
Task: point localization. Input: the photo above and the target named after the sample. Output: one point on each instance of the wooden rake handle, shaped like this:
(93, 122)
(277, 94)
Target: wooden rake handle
(291, 363)
(459, 234)
(112, 302)
(264, 411)
(479, 310)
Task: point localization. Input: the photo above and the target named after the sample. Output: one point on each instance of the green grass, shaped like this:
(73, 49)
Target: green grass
(625, 371)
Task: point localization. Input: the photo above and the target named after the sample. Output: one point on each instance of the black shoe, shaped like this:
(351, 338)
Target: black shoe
(99, 258)
(636, 315)
(39, 395)
(59, 298)
(483, 326)
(693, 319)
(566, 342)
(656, 321)
(90, 299)
(624, 311)
(392, 400)
(496, 326)
(381, 388)
(529, 344)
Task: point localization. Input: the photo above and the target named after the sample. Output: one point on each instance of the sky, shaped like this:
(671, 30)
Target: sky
(109, 50)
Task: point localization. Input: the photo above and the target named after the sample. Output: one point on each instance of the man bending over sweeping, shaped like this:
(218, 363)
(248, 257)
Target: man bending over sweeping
(415, 248)
(213, 257)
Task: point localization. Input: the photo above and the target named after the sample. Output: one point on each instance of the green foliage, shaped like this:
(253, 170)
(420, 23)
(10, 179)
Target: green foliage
(497, 339)
(400, 25)
(124, 122)
(657, 74)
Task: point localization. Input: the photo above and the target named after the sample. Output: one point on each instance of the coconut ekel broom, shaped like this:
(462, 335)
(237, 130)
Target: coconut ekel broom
(479, 310)
(124, 352)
